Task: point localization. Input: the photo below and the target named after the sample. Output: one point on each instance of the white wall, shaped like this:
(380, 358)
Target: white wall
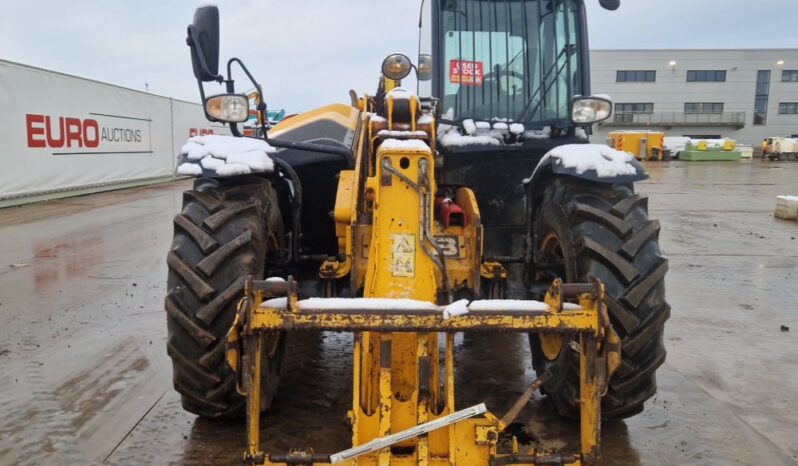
(64, 133)
(671, 90)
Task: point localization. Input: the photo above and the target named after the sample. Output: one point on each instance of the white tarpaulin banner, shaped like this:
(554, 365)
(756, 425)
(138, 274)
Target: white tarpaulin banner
(61, 132)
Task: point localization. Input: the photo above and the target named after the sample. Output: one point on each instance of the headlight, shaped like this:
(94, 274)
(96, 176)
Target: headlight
(589, 110)
(396, 66)
(232, 108)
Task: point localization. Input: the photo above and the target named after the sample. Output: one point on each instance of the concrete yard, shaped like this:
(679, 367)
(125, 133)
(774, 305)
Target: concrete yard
(85, 378)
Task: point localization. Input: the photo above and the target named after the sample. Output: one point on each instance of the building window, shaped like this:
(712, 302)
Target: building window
(703, 107)
(636, 76)
(762, 96)
(789, 76)
(706, 76)
(788, 108)
(634, 108)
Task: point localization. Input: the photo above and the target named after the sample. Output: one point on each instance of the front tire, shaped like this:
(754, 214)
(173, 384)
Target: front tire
(584, 230)
(224, 233)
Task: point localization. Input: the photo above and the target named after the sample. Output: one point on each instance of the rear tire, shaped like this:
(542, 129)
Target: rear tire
(604, 231)
(224, 233)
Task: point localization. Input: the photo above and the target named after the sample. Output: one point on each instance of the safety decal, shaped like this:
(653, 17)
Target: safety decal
(403, 257)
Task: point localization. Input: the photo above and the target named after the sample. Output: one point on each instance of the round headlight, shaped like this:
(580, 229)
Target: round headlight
(396, 66)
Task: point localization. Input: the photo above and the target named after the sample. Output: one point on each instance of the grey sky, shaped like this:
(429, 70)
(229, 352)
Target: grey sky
(310, 52)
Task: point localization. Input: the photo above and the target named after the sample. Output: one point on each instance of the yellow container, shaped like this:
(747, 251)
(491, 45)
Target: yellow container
(644, 145)
(703, 145)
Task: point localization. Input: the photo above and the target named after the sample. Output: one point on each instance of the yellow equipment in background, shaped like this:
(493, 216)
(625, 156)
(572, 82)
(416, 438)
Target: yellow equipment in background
(644, 145)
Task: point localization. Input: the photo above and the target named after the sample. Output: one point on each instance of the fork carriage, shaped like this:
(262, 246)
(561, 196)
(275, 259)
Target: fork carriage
(403, 411)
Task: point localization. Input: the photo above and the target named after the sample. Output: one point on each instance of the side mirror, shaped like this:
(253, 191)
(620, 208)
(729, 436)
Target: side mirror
(424, 67)
(611, 5)
(203, 38)
(589, 110)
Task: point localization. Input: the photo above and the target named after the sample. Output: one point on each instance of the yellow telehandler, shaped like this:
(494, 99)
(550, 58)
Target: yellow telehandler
(474, 204)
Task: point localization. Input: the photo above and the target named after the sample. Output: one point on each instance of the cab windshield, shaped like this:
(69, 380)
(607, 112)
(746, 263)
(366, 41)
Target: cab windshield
(512, 60)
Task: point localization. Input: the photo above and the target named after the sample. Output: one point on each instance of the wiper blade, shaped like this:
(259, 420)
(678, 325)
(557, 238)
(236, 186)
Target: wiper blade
(568, 49)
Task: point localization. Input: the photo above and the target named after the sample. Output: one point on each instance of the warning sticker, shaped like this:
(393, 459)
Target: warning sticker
(403, 257)
(467, 73)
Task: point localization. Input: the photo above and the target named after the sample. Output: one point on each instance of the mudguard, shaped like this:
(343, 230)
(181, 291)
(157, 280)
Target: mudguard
(553, 165)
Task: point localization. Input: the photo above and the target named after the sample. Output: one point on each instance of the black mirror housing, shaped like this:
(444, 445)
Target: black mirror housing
(611, 5)
(203, 38)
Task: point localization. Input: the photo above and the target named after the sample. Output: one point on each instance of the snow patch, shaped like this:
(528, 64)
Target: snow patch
(483, 125)
(500, 126)
(226, 155)
(193, 150)
(425, 120)
(456, 309)
(211, 163)
(508, 305)
(676, 144)
(189, 169)
(378, 119)
(606, 161)
(453, 138)
(275, 303)
(400, 94)
(404, 144)
(788, 198)
(365, 304)
(517, 128)
(232, 169)
(402, 134)
(469, 126)
(257, 161)
(544, 133)
(581, 133)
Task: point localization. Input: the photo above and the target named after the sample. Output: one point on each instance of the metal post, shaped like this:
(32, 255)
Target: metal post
(589, 400)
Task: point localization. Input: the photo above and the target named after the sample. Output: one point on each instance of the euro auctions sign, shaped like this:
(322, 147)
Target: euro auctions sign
(467, 73)
(95, 133)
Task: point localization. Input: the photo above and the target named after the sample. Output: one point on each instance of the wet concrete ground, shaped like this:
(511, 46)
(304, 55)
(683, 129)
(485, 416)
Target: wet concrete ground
(85, 379)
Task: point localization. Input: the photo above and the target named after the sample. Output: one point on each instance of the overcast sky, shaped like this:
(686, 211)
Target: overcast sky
(307, 53)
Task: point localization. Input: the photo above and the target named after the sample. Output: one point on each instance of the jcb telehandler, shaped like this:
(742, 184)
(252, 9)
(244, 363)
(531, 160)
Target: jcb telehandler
(473, 205)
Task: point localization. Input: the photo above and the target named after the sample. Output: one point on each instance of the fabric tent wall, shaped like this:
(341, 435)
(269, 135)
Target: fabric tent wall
(62, 133)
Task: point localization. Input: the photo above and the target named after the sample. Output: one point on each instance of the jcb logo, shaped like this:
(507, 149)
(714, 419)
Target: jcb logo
(64, 132)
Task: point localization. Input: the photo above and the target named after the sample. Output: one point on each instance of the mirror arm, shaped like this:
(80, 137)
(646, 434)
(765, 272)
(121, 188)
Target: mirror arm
(231, 90)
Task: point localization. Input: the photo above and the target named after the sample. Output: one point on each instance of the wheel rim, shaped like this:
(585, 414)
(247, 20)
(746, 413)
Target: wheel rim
(551, 343)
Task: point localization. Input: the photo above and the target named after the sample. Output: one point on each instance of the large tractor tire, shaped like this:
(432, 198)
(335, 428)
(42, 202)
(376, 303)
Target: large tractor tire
(224, 233)
(584, 230)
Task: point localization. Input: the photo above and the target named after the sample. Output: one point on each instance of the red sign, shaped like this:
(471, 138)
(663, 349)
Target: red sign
(467, 73)
(65, 132)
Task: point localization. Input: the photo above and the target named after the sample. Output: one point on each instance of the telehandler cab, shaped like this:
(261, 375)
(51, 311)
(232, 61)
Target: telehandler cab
(473, 205)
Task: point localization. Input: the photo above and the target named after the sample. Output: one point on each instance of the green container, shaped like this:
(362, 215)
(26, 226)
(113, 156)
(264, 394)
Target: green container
(710, 155)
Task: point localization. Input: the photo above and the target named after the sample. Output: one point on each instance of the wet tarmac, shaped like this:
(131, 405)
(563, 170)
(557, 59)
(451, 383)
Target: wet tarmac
(84, 377)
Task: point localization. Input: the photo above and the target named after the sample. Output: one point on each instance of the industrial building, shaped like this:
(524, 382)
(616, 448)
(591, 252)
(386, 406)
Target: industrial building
(743, 94)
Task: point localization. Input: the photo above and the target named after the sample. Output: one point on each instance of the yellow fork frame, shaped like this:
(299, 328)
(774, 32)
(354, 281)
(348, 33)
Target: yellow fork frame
(471, 441)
